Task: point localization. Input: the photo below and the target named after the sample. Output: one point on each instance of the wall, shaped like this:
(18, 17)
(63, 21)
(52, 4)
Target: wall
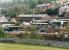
(37, 42)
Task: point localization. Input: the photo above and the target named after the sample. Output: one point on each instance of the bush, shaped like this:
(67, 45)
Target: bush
(2, 33)
(52, 11)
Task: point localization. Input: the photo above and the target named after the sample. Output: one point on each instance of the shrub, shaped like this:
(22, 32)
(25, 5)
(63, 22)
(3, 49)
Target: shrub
(2, 33)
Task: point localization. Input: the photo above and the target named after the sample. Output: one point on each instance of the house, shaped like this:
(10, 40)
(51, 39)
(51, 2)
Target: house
(42, 24)
(46, 6)
(64, 11)
(62, 2)
(3, 20)
(59, 22)
(30, 17)
(13, 20)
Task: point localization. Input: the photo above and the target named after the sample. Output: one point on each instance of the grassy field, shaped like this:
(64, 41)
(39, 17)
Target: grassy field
(5, 46)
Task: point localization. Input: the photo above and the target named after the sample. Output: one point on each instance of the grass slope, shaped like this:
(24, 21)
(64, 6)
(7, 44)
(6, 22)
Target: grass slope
(5, 46)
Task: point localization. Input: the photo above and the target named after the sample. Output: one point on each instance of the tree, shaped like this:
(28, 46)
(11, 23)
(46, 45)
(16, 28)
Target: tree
(16, 7)
(3, 12)
(52, 11)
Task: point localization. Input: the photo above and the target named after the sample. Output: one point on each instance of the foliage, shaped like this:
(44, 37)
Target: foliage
(31, 32)
(9, 13)
(2, 33)
(52, 11)
(34, 34)
(67, 27)
(16, 7)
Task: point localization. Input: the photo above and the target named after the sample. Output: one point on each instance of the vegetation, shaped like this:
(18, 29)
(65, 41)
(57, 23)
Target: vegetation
(16, 7)
(52, 11)
(67, 27)
(2, 33)
(6, 46)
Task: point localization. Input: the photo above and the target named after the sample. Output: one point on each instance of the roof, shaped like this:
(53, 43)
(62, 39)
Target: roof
(41, 23)
(41, 5)
(32, 15)
(7, 25)
(14, 26)
(57, 21)
(46, 17)
(3, 19)
(63, 9)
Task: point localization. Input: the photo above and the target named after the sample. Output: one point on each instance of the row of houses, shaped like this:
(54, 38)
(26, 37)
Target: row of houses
(43, 22)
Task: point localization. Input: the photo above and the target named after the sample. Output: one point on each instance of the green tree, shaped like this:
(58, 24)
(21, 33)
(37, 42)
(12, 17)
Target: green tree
(52, 11)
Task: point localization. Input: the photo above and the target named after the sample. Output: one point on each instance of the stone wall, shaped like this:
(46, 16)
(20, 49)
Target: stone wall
(62, 44)
(45, 42)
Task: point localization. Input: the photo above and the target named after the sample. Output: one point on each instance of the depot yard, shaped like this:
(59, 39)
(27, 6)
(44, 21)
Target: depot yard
(6, 46)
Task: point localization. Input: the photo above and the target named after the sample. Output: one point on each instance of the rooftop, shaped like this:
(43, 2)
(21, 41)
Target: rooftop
(33, 15)
(3, 19)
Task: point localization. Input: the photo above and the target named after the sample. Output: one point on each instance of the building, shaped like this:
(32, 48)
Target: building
(62, 2)
(41, 25)
(64, 11)
(39, 20)
(30, 17)
(3, 20)
(59, 23)
(46, 6)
